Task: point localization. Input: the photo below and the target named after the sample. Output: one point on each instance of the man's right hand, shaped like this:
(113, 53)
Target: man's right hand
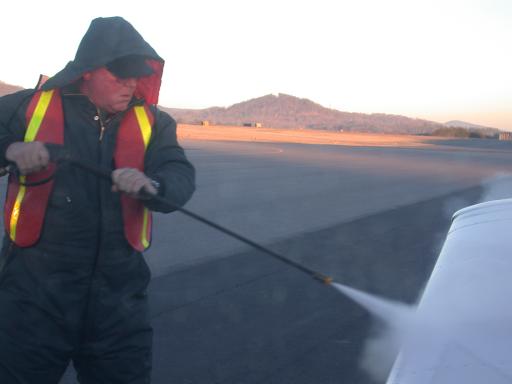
(29, 157)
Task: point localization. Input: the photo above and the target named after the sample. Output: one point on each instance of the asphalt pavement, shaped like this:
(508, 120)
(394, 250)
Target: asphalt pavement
(270, 192)
(248, 318)
(372, 218)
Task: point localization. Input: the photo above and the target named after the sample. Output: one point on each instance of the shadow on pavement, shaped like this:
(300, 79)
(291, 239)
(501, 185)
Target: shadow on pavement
(247, 318)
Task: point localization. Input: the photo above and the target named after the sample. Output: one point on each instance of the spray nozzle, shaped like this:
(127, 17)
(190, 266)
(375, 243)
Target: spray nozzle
(323, 278)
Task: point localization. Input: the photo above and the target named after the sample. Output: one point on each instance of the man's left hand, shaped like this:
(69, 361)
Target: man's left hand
(131, 181)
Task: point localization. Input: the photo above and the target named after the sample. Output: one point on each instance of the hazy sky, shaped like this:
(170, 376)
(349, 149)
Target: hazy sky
(434, 59)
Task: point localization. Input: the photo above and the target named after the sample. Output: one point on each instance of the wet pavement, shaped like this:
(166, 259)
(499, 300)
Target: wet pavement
(248, 318)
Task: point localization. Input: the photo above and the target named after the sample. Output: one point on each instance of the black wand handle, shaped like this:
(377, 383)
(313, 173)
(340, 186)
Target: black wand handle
(58, 154)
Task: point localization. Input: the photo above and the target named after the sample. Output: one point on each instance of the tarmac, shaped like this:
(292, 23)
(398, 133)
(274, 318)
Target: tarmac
(374, 219)
(249, 319)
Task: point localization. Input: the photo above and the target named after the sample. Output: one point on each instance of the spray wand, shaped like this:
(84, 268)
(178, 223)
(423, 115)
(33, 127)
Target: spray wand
(59, 156)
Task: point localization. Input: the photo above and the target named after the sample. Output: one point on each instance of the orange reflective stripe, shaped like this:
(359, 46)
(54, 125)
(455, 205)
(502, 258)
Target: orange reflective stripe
(145, 130)
(30, 135)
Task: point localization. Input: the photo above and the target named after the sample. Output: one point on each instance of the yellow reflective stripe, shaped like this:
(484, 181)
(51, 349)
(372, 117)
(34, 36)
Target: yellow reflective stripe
(145, 241)
(38, 115)
(33, 127)
(145, 130)
(16, 209)
(144, 124)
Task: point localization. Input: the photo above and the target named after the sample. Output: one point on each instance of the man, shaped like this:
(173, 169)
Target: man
(73, 280)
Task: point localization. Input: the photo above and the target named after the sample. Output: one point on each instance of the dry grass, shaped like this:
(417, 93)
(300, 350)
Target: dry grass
(302, 136)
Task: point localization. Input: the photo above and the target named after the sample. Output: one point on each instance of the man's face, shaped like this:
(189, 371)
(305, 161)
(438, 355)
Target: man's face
(107, 91)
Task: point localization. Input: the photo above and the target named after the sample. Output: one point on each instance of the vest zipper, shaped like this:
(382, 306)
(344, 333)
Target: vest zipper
(102, 124)
(102, 131)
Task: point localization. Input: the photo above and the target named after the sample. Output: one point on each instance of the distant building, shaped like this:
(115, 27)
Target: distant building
(256, 125)
(205, 123)
(505, 136)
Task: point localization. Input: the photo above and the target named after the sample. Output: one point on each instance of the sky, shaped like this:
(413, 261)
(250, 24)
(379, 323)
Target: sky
(435, 59)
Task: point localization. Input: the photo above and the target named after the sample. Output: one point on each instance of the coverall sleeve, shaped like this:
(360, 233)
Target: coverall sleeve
(12, 120)
(165, 162)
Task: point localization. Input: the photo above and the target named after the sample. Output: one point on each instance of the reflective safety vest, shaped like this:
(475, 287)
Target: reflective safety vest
(25, 207)
(131, 144)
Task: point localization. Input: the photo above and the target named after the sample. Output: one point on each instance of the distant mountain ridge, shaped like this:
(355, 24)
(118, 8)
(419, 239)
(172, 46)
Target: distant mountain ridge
(286, 111)
(465, 124)
(5, 88)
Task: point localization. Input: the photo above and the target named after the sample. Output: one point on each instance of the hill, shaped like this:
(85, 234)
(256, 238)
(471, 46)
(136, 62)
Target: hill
(285, 111)
(466, 125)
(5, 88)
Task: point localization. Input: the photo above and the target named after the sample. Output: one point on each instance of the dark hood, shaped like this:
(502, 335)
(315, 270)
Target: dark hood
(108, 39)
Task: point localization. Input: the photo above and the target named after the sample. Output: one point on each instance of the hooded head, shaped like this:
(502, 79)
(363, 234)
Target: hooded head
(113, 43)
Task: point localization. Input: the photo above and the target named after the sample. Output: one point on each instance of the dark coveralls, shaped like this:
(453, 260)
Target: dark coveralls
(80, 292)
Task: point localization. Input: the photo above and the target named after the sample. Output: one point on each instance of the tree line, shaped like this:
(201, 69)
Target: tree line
(464, 133)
